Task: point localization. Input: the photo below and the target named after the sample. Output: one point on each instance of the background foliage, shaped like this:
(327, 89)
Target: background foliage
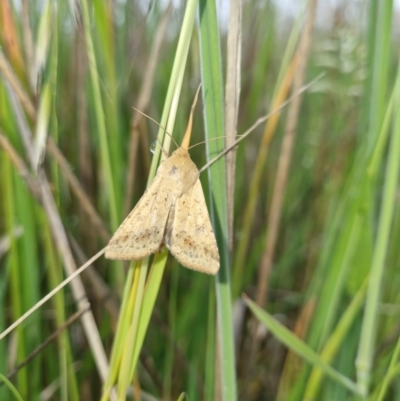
(316, 248)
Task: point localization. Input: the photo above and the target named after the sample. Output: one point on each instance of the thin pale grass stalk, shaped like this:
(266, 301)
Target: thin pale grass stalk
(250, 208)
(232, 97)
(213, 100)
(49, 295)
(48, 341)
(142, 104)
(101, 290)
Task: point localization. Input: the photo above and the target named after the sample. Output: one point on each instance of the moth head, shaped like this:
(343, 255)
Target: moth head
(181, 152)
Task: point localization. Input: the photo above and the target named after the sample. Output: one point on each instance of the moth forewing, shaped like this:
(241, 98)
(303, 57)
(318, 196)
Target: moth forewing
(173, 212)
(141, 233)
(192, 240)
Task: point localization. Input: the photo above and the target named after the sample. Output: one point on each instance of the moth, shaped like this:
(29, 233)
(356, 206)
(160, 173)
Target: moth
(172, 213)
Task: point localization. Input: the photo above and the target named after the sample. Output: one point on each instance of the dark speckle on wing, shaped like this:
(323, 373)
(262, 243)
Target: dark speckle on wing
(173, 170)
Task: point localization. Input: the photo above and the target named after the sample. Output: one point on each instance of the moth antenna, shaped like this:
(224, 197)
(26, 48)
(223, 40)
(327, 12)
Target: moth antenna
(154, 121)
(165, 153)
(262, 120)
(212, 139)
(188, 133)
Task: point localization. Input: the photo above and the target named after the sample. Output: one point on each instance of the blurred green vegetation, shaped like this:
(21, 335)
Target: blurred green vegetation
(73, 70)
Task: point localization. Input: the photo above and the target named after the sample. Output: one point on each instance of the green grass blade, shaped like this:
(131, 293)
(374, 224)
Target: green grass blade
(12, 389)
(285, 336)
(381, 57)
(99, 112)
(369, 326)
(211, 70)
(393, 371)
(335, 341)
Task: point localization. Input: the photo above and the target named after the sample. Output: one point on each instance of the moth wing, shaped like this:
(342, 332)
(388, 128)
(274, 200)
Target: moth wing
(142, 232)
(192, 240)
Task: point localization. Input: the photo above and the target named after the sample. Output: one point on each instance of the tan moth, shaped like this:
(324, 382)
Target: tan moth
(172, 213)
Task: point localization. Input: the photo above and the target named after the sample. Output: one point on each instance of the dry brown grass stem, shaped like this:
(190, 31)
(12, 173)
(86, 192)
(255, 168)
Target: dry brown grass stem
(301, 57)
(28, 43)
(8, 73)
(100, 289)
(258, 173)
(21, 167)
(285, 157)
